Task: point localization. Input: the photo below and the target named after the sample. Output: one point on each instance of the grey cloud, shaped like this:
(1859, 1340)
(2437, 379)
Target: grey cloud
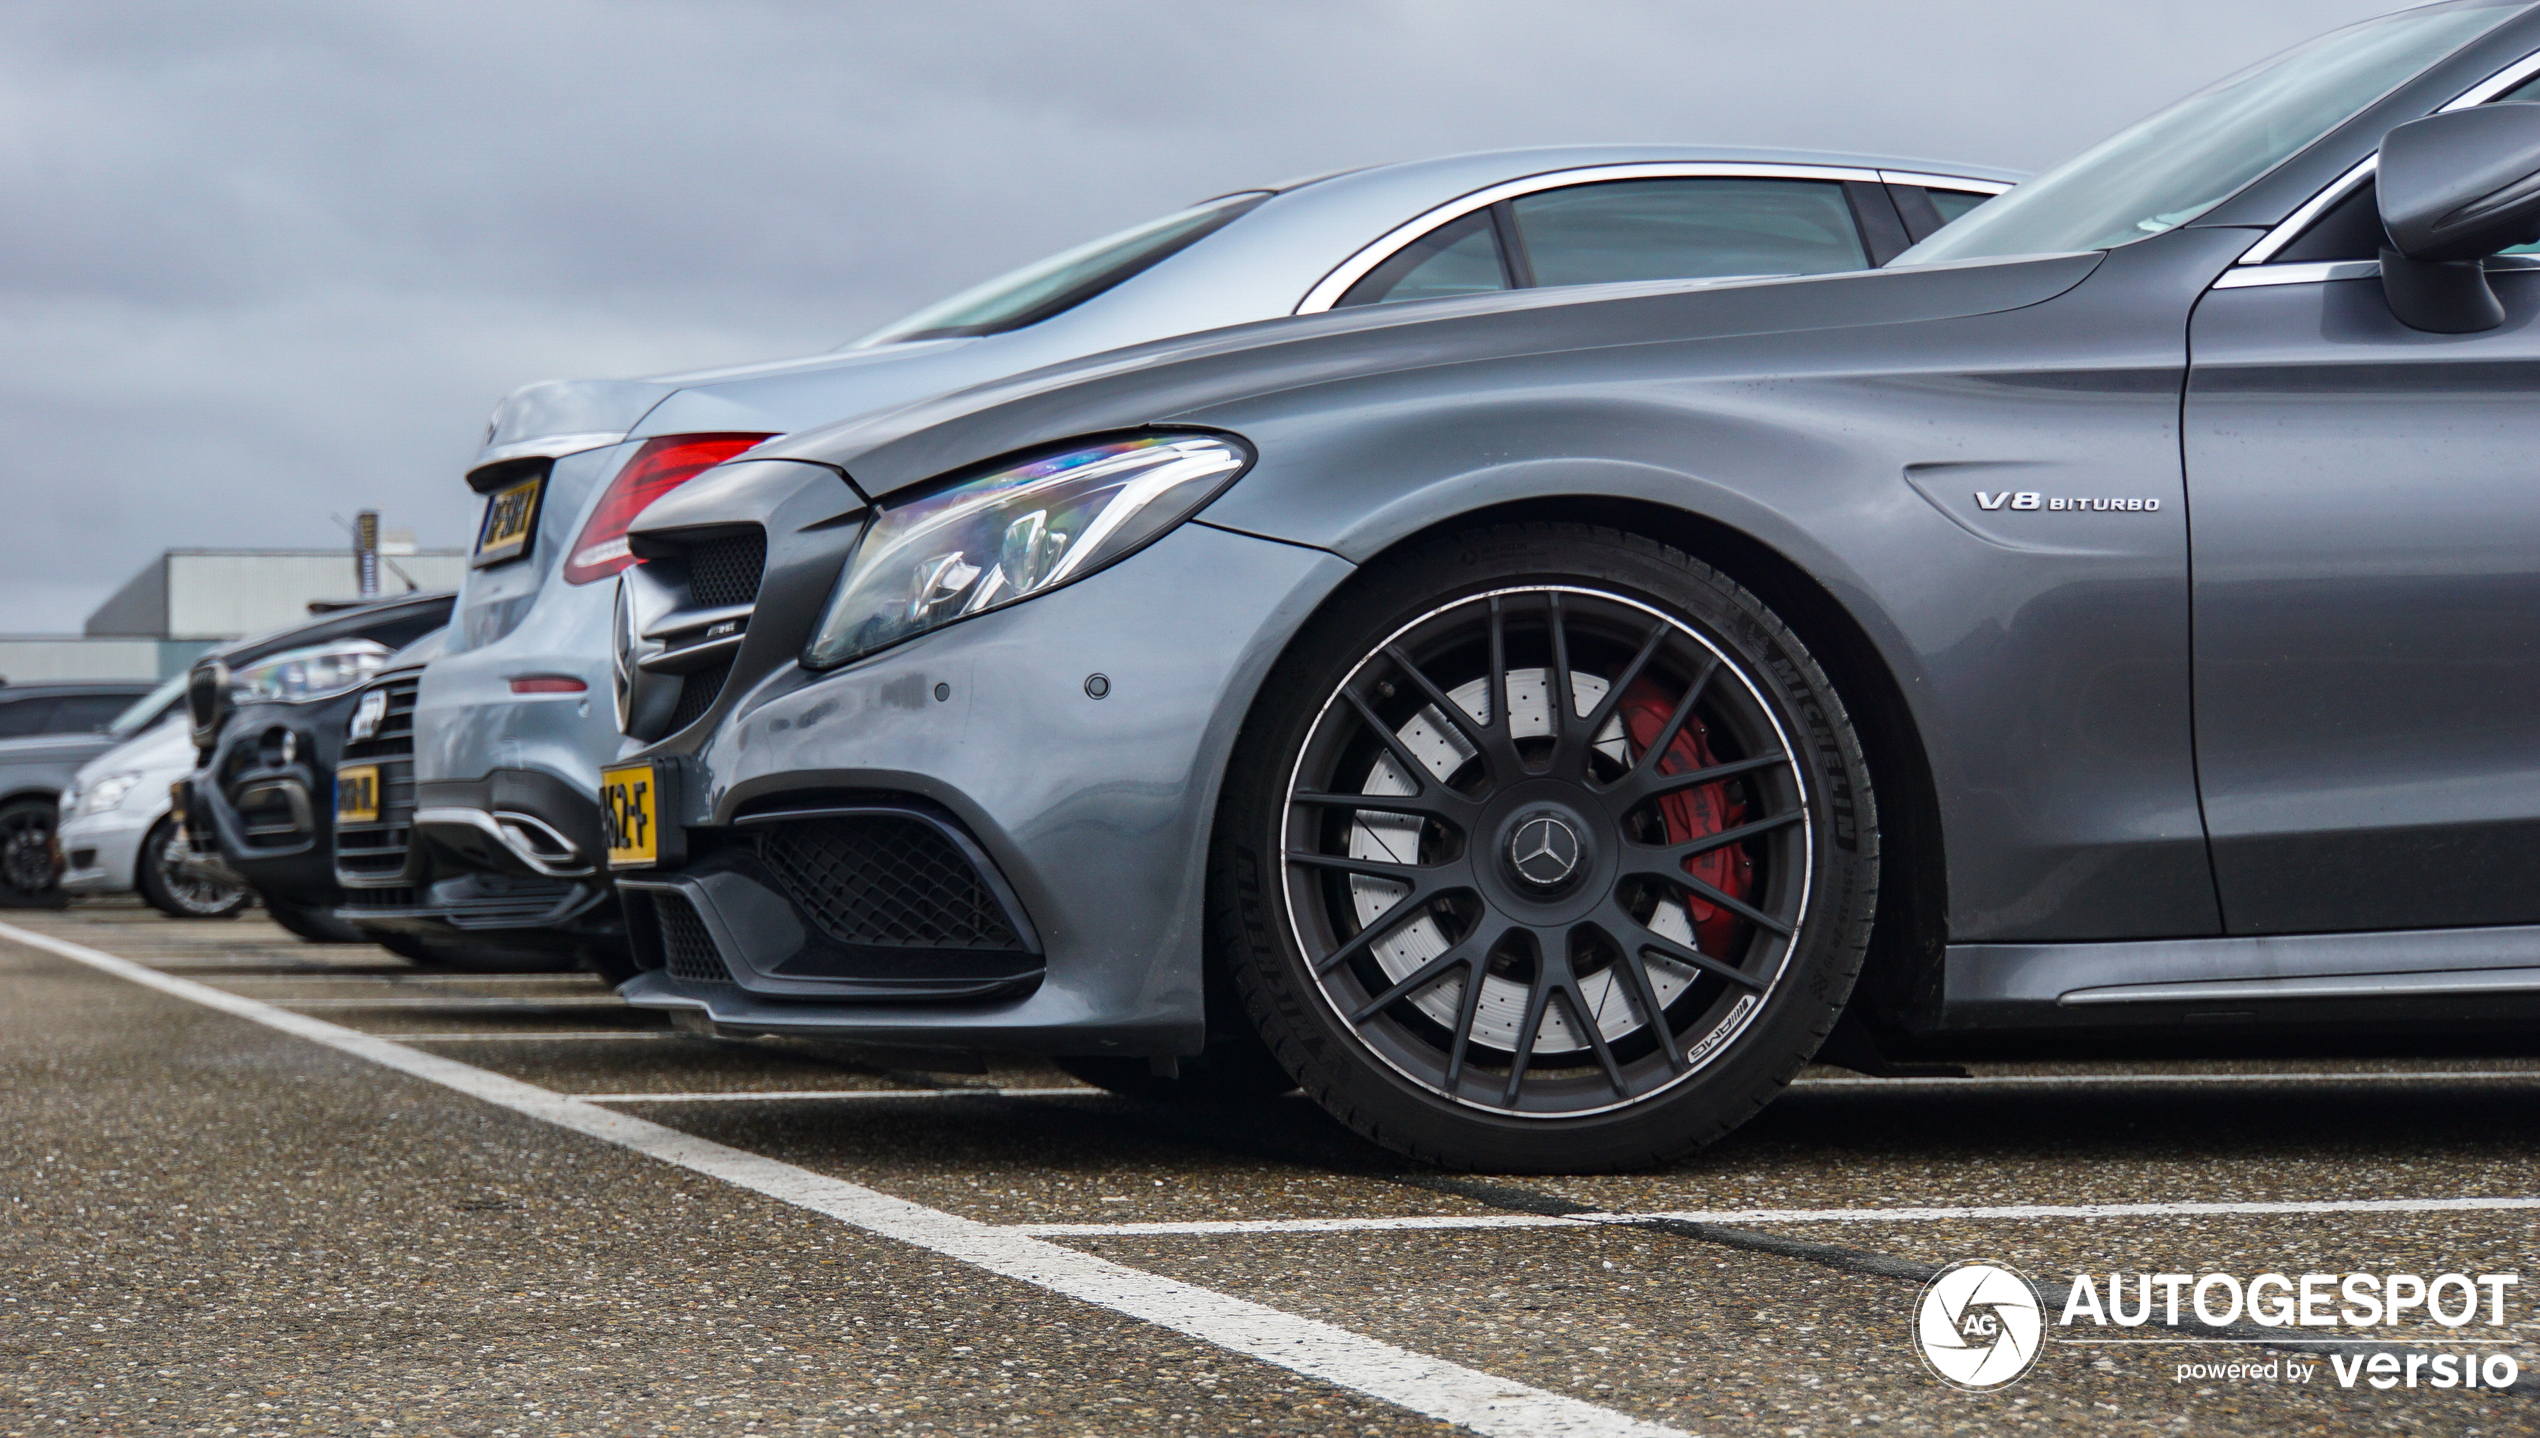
(268, 261)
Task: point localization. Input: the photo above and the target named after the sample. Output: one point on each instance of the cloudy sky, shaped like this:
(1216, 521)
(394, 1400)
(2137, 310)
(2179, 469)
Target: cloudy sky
(261, 263)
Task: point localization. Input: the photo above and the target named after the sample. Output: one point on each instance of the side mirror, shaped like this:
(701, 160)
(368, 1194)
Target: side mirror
(2454, 189)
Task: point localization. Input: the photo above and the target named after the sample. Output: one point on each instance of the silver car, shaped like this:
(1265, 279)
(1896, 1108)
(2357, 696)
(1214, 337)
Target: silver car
(119, 830)
(512, 722)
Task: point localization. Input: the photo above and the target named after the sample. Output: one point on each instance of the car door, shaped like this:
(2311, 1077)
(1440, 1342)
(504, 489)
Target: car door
(2364, 501)
(1657, 228)
(28, 717)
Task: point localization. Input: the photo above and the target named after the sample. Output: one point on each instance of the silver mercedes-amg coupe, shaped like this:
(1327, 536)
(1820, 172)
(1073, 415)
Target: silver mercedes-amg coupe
(1534, 722)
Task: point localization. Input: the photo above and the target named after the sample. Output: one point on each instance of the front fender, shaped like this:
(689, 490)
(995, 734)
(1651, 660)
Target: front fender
(2043, 655)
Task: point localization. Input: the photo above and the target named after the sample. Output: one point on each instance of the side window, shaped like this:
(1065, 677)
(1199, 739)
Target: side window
(88, 713)
(1460, 257)
(1687, 229)
(1926, 209)
(1953, 203)
(23, 717)
(2351, 230)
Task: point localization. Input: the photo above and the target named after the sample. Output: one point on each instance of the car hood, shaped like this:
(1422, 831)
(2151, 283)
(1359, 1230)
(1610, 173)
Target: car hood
(164, 748)
(1182, 379)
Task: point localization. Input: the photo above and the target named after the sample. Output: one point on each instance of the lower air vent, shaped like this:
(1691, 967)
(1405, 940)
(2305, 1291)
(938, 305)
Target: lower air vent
(886, 882)
(697, 694)
(688, 951)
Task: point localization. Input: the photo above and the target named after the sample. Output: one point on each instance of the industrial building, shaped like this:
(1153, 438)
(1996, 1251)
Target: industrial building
(187, 601)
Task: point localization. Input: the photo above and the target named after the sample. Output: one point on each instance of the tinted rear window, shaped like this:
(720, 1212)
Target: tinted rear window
(1063, 281)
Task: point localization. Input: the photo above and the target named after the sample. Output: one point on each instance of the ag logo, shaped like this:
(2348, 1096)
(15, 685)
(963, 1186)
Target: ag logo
(1979, 1327)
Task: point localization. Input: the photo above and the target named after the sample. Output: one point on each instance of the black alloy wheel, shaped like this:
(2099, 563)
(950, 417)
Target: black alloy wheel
(1568, 865)
(27, 876)
(166, 885)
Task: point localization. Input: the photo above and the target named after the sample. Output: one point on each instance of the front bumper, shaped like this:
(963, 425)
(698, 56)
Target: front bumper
(1092, 814)
(104, 850)
(267, 806)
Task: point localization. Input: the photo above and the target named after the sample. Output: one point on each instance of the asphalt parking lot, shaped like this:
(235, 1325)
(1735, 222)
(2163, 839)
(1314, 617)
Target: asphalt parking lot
(261, 1186)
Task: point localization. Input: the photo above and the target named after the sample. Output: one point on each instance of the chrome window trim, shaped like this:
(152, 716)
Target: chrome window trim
(1328, 290)
(1944, 182)
(2292, 226)
(2312, 272)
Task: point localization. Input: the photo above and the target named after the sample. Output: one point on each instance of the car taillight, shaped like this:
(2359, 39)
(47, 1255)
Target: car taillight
(661, 466)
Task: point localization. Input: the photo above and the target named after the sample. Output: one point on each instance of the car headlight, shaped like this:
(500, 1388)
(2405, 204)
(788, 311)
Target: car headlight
(320, 671)
(987, 542)
(108, 793)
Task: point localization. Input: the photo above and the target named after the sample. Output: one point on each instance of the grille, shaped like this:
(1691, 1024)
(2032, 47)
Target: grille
(697, 693)
(886, 883)
(726, 571)
(395, 735)
(375, 851)
(687, 949)
(202, 697)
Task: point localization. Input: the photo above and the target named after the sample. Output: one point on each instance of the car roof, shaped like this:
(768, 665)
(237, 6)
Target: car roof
(404, 608)
(1481, 167)
(62, 688)
(1257, 267)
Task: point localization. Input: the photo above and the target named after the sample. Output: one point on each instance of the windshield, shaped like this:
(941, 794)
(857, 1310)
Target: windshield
(1063, 281)
(147, 708)
(2190, 157)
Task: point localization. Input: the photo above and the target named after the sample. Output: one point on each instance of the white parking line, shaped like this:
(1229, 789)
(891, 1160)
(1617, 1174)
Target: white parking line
(1211, 1226)
(398, 979)
(456, 1001)
(1430, 1386)
(745, 1095)
(1781, 1215)
(2188, 1080)
(525, 1036)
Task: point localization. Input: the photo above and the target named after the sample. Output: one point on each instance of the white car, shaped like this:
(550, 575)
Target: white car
(118, 833)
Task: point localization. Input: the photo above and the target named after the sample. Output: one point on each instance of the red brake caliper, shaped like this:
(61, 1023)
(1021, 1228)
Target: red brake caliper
(1693, 813)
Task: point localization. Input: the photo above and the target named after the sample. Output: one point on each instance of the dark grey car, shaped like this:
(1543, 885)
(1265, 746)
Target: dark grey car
(46, 732)
(1534, 721)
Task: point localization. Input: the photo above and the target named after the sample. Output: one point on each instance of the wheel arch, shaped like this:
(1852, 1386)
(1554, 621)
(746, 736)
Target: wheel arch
(1910, 929)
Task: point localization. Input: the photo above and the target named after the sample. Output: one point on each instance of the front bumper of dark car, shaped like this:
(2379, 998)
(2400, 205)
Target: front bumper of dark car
(953, 844)
(265, 801)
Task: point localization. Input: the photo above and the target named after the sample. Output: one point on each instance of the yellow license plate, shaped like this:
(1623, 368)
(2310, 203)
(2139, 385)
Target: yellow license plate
(630, 815)
(357, 794)
(511, 517)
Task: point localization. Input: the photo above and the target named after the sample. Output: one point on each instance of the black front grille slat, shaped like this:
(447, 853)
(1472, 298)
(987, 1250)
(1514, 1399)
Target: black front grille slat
(726, 571)
(370, 852)
(886, 882)
(688, 951)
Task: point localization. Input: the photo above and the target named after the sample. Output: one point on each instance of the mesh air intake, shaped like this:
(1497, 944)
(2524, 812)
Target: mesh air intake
(887, 883)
